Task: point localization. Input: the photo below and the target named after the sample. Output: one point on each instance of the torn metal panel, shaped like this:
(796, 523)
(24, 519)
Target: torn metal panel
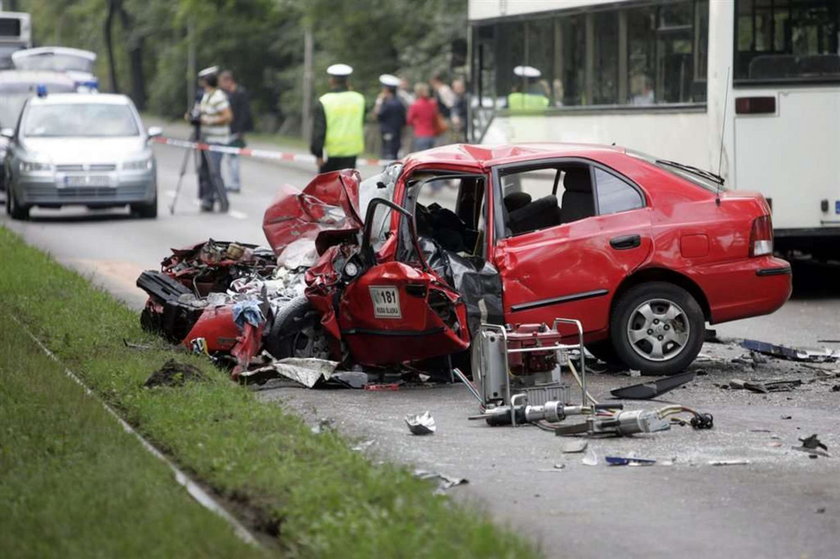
(307, 372)
(328, 203)
(648, 390)
(791, 353)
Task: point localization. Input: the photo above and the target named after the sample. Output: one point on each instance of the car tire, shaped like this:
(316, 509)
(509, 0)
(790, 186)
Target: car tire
(297, 332)
(605, 351)
(13, 208)
(146, 211)
(657, 328)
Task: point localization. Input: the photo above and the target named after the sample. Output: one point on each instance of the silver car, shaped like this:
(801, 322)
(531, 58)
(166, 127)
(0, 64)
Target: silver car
(80, 149)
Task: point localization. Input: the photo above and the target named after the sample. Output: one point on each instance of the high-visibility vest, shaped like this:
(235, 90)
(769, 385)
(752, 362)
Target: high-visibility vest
(527, 102)
(344, 111)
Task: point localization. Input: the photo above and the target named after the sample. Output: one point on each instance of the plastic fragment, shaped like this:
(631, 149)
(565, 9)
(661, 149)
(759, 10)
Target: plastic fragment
(421, 424)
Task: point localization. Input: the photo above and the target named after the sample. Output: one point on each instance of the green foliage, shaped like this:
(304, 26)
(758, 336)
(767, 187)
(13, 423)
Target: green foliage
(261, 41)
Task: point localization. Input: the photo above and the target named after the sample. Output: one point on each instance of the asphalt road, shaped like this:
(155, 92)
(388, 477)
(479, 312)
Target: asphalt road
(781, 504)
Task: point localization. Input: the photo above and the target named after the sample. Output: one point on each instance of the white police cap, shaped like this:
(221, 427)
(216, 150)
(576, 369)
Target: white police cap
(527, 72)
(209, 71)
(389, 80)
(340, 70)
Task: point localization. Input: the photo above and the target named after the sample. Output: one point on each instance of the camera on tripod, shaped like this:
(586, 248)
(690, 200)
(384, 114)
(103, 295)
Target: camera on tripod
(195, 115)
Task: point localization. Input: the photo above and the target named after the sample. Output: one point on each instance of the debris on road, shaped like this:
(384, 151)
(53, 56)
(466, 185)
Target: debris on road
(728, 462)
(628, 461)
(174, 373)
(591, 458)
(421, 424)
(813, 446)
(648, 390)
(323, 425)
(306, 372)
(792, 354)
(772, 386)
(444, 482)
(573, 446)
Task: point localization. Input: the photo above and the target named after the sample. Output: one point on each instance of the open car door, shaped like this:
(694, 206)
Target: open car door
(400, 311)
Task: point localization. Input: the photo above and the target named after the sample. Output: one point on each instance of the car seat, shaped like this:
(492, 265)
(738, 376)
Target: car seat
(539, 214)
(577, 202)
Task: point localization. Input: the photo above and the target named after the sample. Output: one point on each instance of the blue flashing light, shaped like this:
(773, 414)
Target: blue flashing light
(41, 90)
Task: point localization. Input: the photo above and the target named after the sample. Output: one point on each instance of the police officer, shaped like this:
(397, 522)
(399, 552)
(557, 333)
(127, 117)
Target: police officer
(338, 124)
(530, 94)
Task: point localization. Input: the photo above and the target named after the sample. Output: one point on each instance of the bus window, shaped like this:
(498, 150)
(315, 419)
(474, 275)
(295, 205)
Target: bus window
(633, 53)
(787, 40)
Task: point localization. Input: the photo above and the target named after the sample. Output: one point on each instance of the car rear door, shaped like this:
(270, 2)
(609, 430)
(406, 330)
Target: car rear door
(569, 263)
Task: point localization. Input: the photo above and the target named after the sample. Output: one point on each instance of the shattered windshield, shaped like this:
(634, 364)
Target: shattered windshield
(379, 186)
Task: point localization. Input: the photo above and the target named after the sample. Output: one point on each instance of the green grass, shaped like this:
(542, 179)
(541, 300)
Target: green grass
(74, 484)
(320, 497)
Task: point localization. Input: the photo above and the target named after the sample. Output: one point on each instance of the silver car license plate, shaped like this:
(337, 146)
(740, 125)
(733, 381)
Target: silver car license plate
(87, 180)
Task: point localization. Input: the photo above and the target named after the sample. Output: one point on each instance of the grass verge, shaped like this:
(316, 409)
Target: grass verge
(312, 492)
(74, 484)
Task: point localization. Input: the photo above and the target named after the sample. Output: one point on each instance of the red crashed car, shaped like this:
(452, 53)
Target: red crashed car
(642, 251)
(410, 262)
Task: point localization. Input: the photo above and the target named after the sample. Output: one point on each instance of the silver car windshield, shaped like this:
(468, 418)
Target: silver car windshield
(89, 120)
(379, 186)
(57, 62)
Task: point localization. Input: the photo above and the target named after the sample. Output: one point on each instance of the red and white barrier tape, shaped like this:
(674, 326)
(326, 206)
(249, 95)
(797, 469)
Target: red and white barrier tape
(262, 153)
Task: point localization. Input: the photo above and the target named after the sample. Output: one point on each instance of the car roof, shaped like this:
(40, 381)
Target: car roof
(488, 156)
(81, 99)
(35, 77)
(42, 51)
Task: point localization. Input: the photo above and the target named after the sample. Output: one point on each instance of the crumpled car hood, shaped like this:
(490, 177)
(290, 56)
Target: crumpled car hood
(328, 203)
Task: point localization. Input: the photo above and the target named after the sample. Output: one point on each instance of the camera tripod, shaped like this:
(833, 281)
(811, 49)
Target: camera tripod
(210, 183)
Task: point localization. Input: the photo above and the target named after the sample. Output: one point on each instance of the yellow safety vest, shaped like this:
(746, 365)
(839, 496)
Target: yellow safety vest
(520, 102)
(344, 111)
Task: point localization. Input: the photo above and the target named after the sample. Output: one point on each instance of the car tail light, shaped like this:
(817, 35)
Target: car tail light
(761, 236)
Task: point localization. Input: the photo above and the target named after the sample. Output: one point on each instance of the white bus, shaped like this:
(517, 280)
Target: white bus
(749, 89)
(15, 33)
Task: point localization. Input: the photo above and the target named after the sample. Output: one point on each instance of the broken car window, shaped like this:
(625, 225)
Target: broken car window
(448, 210)
(379, 186)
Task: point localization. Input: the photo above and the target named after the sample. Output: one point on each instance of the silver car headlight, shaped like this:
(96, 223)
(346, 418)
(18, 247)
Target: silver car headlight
(35, 167)
(138, 165)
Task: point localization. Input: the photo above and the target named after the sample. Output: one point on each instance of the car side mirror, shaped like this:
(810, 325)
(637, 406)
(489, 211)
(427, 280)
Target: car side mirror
(366, 250)
(7, 133)
(154, 131)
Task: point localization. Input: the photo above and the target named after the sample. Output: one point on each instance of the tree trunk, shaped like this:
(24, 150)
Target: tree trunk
(109, 44)
(135, 58)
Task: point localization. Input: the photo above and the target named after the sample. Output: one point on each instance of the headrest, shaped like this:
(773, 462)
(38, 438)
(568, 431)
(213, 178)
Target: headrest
(577, 179)
(516, 200)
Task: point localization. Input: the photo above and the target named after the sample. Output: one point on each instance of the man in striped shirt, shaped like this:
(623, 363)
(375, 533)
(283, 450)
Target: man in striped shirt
(216, 116)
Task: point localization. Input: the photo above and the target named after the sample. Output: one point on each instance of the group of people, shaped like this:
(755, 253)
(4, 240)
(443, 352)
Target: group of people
(222, 116)
(432, 110)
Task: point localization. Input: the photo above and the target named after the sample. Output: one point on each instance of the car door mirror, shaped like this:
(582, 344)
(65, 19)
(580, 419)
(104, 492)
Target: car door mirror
(7, 133)
(154, 131)
(367, 253)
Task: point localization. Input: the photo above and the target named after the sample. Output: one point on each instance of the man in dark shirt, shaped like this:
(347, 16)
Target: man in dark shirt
(390, 112)
(240, 104)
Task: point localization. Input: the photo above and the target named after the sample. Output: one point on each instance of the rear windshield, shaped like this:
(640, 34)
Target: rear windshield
(89, 120)
(704, 179)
